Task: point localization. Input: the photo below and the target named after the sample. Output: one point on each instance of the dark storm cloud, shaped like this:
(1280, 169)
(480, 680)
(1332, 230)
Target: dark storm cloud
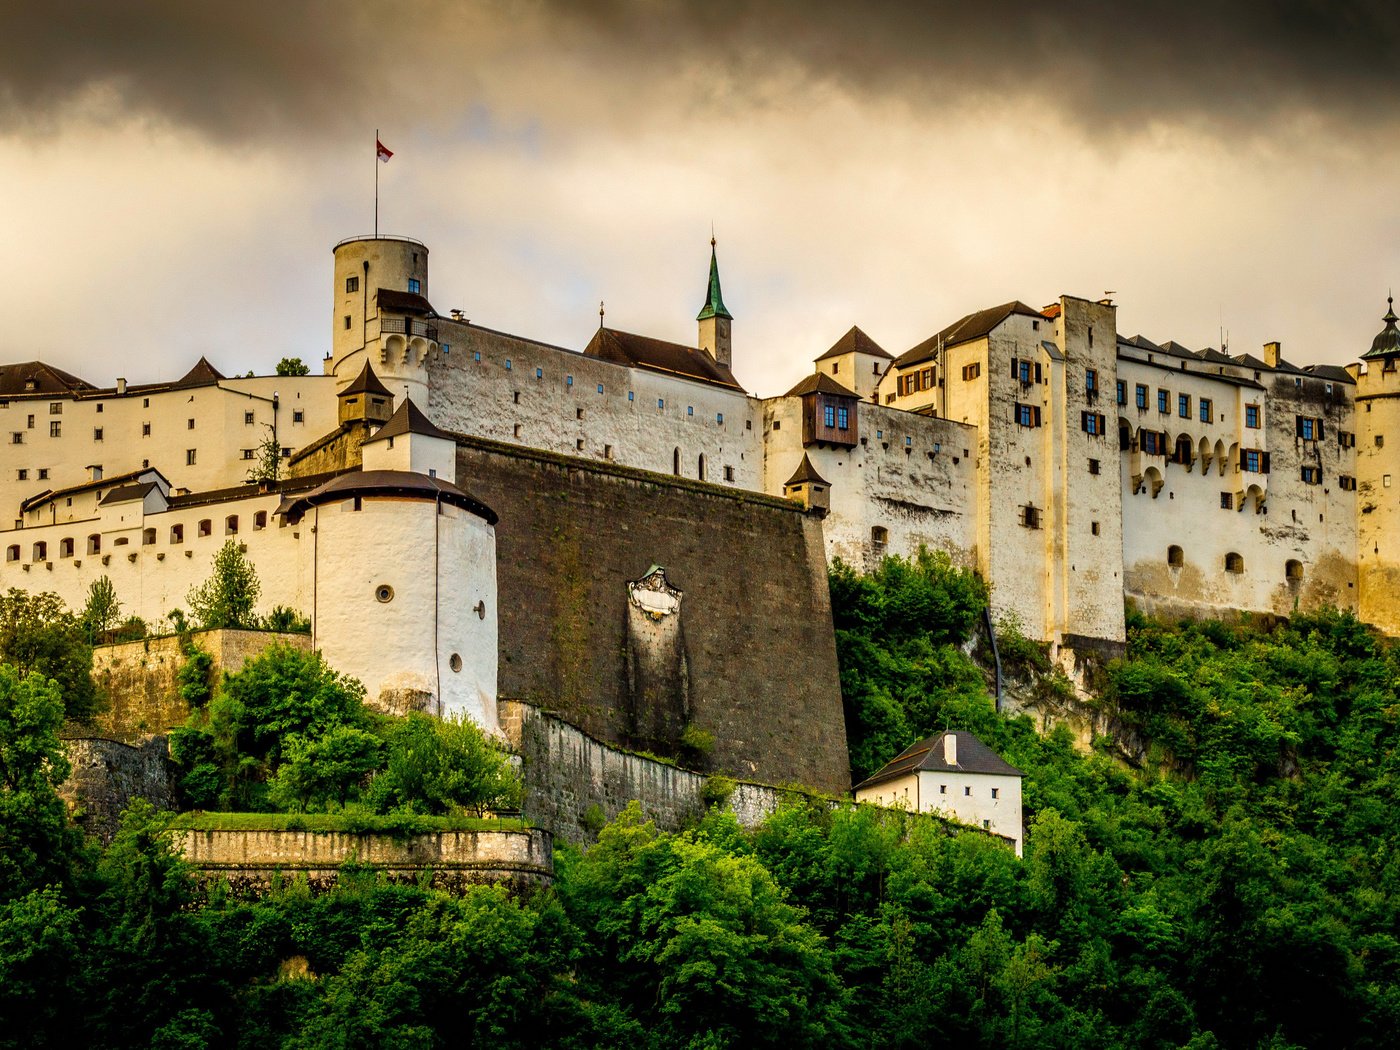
(248, 70)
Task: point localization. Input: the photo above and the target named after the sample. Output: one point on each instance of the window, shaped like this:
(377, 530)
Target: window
(1251, 416)
(1385, 481)
(248, 453)
(995, 792)
(1312, 475)
(1346, 483)
(43, 473)
(600, 388)
(578, 413)
(1091, 382)
(835, 367)
(94, 544)
(676, 462)
(507, 364)
(65, 548)
(55, 429)
(1154, 443)
(231, 525)
(1182, 454)
(1346, 439)
(578, 445)
(298, 415)
(17, 438)
(1140, 396)
(189, 424)
(1092, 423)
(1094, 527)
(970, 372)
(41, 551)
(539, 373)
(690, 410)
(1206, 409)
(879, 538)
(1163, 397)
(189, 457)
(148, 537)
(943, 789)
(1026, 416)
(1234, 563)
(829, 415)
(967, 791)
(97, 433)
(517, 430)
(1030, 516)
(145, 430)
(719, 418)
(908, 441)
(1026, 372)
(206, 527)
(568, 380)
(260, 520)
(247, 419)
(414, 286)
(660, 402)
(99, 407)
(1293, 570)
(1094, 467)
(1227, 501)
(55, 408)
(1380, 438)
(843, 419)
(347, 322)
(22, 475)
(1183, 405)
(12, 552)
(1122, 390)
(352, 284)
(728, 473)
(1254, 461)
(1176, 557)
(700, 467)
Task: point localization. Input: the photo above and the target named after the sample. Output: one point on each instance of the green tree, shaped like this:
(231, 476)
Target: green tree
(102, 610)
(42, 960)
(293, 366)
(325, 769)
(36, 842)
(38, 635)
(267, 460)
(442, 765)
(227, 598)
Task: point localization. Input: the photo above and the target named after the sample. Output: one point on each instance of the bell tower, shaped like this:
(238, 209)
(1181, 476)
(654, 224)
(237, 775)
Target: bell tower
(714, 319)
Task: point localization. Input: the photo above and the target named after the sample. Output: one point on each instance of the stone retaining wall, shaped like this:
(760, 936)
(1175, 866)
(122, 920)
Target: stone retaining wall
(253, 861)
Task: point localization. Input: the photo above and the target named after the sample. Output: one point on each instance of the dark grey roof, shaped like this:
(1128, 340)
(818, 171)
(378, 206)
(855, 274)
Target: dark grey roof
(408, 419)
(72, 490)
(657, 355)
(973, 757)
(366, 383)
(1333, 373)
(35, 377)
(964, 330)
(806, 474)
(128, 492)
(403, 302)
(820, 383)
(202, 374)
(397, 483)
(1387, 341)
(856, 342)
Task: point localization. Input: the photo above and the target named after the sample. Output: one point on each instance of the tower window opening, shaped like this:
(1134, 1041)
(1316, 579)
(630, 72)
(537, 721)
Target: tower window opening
(1176, 557)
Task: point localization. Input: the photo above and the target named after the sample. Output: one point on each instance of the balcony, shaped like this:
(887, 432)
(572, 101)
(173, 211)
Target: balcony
(405, 326)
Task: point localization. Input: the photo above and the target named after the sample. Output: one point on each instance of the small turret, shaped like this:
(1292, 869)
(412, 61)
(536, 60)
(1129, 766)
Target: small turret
(366, 399)
(715, 319)
(1387, 342)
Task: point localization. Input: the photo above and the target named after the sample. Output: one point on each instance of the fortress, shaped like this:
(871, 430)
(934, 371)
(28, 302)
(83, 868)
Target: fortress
(629, 536)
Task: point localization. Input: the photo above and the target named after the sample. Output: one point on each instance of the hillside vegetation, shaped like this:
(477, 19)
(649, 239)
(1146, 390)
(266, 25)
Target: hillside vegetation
(1235, 885)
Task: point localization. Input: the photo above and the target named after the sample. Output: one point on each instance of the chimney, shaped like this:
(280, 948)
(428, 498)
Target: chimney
(1272, 353)
(950, 749)
(121, 385)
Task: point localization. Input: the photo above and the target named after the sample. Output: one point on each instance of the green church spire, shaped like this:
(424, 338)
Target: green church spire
(714, 302)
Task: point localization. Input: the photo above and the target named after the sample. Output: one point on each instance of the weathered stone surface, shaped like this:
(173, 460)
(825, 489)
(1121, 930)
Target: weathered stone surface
(759, 646)
(107, 775)
(253, 862)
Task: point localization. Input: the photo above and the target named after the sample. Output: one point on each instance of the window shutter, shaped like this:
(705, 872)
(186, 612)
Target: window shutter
(1264, 463)
(1298, 427)
(1319, 430)
(1015, 369)
(1035, 411)
(1037, 372)
(1102, 422)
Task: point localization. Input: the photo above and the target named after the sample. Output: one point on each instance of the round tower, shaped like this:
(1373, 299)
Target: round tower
(382, 314)
(414, 621)
(1378, 479)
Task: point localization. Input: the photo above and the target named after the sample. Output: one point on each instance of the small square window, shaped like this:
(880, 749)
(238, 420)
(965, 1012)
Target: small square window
(189, 424)
(600, 388)
(728, 473)
(568, 380)
(145, 430)
(943, 789)
(660, 402)
(578, 413)
(298, 416)
(629, 395)
(967, 791)
(43, 473)
(539, 373)
(55, 429)
(23, 475)
(99, 407)
(476, 356)
(1094, 527)
(1227, 501)
(414, 286)
(995, 792)
(690, 410)
(347, 322)
(352, 284)
(97, 433)
(189, 457)
(1093, 466)
(247, 453)
(719, 418)
(579, 444)
(507, 364)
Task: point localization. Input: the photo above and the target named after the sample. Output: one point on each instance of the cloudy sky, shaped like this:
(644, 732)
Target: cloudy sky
(174, 174)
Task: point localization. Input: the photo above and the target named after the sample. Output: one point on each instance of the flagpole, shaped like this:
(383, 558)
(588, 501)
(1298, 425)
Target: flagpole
(376, 183)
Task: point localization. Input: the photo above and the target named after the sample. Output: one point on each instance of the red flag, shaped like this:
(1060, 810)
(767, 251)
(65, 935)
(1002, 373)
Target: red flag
(382, 152)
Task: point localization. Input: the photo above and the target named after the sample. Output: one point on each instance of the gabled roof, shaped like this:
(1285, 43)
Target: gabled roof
(657, 355)
(856, 342)
(1334, 373)
(964, 330)
(397, 483)
(127, 493)
(366, 383)
(928, 754)
(202, 374)
(714, 301)
(408, 418)
(45, 379)
(403, 302)
(116, 480)
(806, 474)
(820, 383)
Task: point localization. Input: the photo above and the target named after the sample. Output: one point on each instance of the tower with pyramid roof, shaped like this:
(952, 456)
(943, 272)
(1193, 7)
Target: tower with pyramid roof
(715, 320)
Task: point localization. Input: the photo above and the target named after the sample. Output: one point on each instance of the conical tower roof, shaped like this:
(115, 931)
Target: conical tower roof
(714, 301)
(805, 474)
(1387, 343)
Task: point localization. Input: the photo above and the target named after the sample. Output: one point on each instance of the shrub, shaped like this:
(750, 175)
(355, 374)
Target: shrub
(438, 766)
(227, 598)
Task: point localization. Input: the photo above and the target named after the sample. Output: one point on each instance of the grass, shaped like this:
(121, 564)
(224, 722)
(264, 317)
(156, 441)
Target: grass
(398, 824)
